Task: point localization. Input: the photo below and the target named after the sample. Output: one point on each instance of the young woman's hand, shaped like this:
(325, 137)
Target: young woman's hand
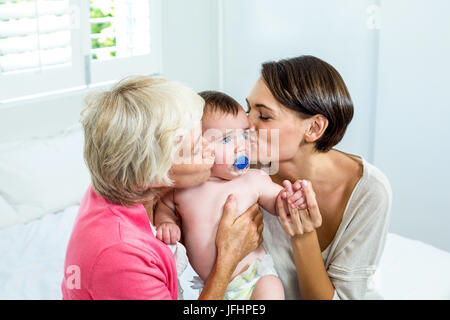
(294, 197)
(301, 214)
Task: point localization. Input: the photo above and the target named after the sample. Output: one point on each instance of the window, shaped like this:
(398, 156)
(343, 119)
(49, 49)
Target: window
(120, 38)
(22, 48)
(39, 48)
(119, 29)
(52, 45)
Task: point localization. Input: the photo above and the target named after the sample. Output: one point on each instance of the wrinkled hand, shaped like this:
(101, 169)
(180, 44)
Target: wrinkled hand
(238, 237)
(298, 209)
(168, 232)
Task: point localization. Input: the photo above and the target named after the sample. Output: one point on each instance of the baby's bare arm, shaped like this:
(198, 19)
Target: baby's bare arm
(165, 211)
(268, 192)
(166, 220)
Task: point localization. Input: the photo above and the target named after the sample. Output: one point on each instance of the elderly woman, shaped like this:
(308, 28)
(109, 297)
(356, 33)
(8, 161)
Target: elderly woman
(133, 135)
(331, 250)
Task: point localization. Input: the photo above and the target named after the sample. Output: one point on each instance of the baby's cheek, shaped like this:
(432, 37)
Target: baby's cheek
(224, 155)
(231, 155)
(220, 170)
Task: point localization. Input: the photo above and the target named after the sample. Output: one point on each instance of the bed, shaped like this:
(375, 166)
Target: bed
(38, 207)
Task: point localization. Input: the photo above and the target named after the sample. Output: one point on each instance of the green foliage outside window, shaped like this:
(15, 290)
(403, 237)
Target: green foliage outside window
(97, 28)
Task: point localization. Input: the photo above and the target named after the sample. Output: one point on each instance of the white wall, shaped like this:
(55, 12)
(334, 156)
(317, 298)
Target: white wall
(189, 36)
(335, 31)
(412, 141)
(41, 118)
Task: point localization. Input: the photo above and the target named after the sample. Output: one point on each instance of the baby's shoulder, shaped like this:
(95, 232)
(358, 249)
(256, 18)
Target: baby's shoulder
(258, 172)
(258, 176)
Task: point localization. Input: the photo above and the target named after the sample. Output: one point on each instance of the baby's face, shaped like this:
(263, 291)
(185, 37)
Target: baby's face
(229, 135)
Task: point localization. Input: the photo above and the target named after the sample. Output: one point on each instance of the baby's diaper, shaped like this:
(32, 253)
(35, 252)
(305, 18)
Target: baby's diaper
(241, 287)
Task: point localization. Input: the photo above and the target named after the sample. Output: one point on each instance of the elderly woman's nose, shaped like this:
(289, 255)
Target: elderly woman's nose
(206, 144)
(208, 148)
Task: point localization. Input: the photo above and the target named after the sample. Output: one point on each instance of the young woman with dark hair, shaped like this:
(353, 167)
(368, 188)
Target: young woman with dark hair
(332, 249)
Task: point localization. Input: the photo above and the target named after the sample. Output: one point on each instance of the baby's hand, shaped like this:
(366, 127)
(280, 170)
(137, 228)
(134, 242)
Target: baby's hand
(295, 199)
(168, 232)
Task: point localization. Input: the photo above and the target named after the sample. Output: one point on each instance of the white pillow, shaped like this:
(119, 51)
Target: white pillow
(6, 210)
(42, 176)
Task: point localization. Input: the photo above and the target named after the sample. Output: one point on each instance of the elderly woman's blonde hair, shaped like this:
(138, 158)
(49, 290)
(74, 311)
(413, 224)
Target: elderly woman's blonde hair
(132, 133)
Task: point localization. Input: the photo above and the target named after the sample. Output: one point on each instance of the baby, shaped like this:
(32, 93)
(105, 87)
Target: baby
(199, 208)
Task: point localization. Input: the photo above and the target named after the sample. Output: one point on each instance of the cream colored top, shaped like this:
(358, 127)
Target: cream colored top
(352, 257)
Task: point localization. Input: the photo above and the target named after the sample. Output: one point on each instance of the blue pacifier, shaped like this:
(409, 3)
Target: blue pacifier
(241, 163)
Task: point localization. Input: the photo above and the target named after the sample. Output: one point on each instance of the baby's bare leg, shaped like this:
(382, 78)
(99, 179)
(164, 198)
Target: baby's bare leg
(268, 288)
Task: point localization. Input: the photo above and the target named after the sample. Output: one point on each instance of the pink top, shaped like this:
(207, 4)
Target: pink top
(113, 254)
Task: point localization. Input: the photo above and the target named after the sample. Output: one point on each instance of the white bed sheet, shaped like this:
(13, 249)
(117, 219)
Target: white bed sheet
(32, 256)
(32, 260)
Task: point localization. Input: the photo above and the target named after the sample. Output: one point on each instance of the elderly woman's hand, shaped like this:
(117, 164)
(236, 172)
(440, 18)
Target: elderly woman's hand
(297, 221)
(237, 237)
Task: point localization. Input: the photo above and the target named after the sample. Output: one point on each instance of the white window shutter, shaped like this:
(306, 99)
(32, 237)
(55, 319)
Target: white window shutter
(46, 45)
(34, 34)
(39, 49)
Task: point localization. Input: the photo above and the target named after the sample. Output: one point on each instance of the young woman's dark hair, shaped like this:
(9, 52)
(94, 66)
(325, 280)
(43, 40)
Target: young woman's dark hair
(311, 86)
